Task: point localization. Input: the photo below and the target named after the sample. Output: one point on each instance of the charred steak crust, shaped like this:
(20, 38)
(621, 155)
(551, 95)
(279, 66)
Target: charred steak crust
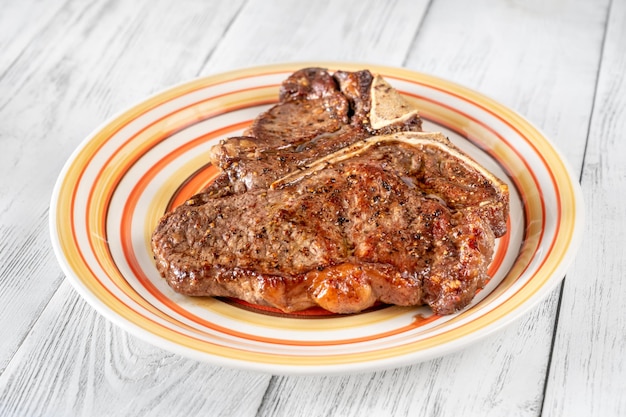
(317, 114)
(343, 239)
(367, 227)
(318, 208)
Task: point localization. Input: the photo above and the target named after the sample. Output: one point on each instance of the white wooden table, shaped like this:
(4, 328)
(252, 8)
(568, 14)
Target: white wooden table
(68, 65)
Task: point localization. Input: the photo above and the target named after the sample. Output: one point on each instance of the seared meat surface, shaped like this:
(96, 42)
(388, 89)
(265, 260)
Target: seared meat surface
(365, 224)
(317, 114)
(335, 198)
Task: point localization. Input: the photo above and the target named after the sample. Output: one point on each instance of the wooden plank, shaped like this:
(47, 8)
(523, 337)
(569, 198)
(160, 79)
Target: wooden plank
(509, 54)
(25, 18)
(89, 61)
(588, 371)
(86, 366)
(367, 31)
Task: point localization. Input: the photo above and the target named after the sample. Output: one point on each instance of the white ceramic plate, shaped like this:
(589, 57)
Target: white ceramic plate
(146, 160)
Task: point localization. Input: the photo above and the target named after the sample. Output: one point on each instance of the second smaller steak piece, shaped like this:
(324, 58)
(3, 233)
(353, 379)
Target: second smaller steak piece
(318, 114)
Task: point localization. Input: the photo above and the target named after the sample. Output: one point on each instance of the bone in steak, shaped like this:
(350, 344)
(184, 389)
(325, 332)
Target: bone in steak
(318, 114)
(400, 218)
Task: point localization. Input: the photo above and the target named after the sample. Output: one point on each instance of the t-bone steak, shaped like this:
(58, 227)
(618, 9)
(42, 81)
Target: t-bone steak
(335, 198)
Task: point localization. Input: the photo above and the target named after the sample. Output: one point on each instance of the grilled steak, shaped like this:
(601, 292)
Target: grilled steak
(335, 198)
(317, 114)
(403, 219)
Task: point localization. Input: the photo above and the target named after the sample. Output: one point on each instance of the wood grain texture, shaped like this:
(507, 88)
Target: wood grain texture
(367, 31)
(20, 21)
(75, 363)
(21, 254)
(588, 372)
